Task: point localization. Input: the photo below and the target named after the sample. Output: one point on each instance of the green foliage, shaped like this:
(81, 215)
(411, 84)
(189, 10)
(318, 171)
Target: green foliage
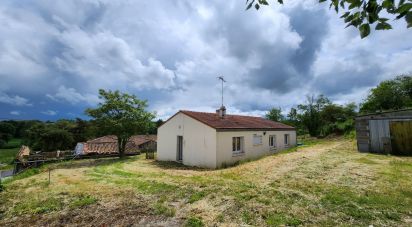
(7, 131)
(389, 95)
(310, 113)
(122, 115)
(320, 117)
(154, 126)
(55, 139)
(275, 114)
(48, 137)
(362, 13)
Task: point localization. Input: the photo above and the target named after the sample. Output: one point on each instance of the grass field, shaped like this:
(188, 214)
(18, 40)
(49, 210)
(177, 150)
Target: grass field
(323, 184)
(8, 153)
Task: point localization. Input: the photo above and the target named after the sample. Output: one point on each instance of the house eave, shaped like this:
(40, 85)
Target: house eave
(253, 129)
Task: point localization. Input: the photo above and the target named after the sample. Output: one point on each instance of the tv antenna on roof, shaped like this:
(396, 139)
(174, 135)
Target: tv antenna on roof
(223, 80)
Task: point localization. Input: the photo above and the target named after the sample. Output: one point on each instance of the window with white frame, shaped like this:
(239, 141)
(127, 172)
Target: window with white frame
(286, 139)
(237, 145)
(272, 141)
(257, 139)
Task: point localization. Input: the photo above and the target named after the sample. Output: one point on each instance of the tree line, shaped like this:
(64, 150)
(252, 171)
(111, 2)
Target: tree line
(124, 115)
(320, 117)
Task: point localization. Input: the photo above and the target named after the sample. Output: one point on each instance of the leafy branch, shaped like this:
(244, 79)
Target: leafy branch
(362, 13)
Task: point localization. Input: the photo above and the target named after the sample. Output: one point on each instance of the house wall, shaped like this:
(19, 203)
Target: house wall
(199, 141)
(224, 145)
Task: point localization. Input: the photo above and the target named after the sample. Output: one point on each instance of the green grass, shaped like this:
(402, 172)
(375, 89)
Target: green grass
(194, 222)
(327, 183)
(162, 209)
(82, 201)
(196, 196)
(8, 153)
(13, 143)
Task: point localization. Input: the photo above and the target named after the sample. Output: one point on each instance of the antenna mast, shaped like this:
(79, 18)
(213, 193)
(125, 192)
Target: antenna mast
(223, 80)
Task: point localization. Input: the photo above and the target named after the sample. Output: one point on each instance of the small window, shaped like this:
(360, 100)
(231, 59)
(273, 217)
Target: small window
(272, 141)
(286, 139)
(257, 139)
(237, 145)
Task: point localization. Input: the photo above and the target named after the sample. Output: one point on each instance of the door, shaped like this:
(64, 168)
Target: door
(179, 148)
(401, 137)
(378, 129)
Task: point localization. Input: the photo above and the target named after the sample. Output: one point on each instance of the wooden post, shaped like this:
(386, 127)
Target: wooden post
(49, 175)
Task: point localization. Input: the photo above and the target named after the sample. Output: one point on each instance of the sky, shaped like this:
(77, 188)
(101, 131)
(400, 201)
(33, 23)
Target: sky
(56, 55)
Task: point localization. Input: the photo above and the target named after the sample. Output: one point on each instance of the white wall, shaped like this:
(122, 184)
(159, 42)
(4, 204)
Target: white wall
(199, 141)
(224, 145)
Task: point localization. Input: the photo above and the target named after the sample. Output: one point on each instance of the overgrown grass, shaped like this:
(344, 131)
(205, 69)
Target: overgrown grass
(327, 183)
(194, 222)
(83, 200)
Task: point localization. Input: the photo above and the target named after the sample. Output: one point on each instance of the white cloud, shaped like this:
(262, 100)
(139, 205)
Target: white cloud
(49, 112)
(15, 112)
(72, 96)
(14, 100)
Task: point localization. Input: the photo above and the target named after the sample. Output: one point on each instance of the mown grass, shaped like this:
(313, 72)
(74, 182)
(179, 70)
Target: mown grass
(327, 183)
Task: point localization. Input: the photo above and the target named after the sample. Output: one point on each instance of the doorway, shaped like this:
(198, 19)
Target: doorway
(179, 148)
(401, 137)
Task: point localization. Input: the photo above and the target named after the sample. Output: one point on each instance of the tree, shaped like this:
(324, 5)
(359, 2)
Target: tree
(32, 136)
(389, 95)
(275, 114)
(362, 13)
(7, 131)
(154, 126)
(310, 116)
(53, 139)
(122, 115)
(48, 137)
(337, 119)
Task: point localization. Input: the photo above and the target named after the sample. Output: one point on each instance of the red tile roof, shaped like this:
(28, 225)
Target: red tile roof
(137, 139)
(236, 122)
(108, 144)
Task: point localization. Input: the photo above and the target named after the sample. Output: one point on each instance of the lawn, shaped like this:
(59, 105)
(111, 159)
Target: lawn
(327, 183)
(8, 153)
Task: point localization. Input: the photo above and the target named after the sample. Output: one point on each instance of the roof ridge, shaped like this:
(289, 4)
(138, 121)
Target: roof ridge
(236, 115)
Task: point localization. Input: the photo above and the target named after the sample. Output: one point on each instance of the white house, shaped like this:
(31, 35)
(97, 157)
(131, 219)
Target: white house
(213, 140)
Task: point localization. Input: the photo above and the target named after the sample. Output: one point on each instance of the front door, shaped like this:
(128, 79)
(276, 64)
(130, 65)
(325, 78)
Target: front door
(179, 148)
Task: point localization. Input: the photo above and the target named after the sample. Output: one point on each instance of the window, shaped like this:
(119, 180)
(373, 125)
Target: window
(237, 145)
(257, 139)
(272, 141)
(286, 139)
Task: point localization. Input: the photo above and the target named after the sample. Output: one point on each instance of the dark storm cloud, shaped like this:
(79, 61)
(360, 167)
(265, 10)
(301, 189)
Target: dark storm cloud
(54, 56)
(283, 70)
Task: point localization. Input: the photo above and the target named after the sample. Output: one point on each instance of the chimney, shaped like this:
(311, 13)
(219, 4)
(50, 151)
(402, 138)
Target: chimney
(221, 112)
